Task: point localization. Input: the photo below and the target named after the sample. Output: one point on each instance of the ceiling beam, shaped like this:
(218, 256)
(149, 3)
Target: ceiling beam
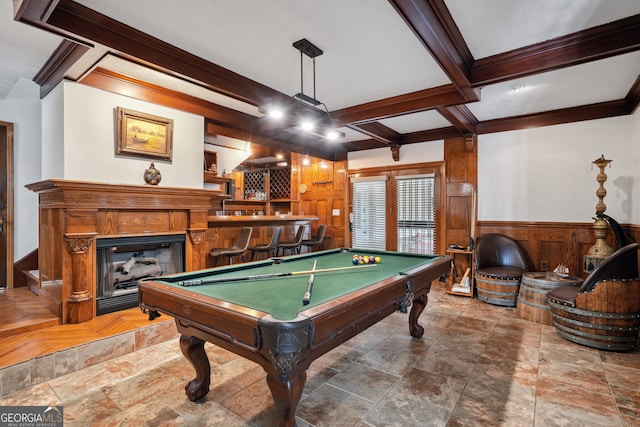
(430, 135)
(414, 102)
(460, 117)
(633, 96)
(556, 117)
(434, 27)
(325, 151)
(86, 23)
(36, 13)
(54, 70)
(603, 41)
(128, 86)
(378, 131)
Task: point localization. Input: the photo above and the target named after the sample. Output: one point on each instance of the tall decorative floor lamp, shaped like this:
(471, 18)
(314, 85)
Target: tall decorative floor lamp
(600, 250)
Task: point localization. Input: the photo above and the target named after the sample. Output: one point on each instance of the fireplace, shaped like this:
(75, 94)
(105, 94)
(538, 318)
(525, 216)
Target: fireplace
(122, 261)
(77, 216)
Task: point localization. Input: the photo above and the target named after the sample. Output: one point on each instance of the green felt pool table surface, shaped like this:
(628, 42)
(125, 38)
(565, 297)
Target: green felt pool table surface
(282, 296)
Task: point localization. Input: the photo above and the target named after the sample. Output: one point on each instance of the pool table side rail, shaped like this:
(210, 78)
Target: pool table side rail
(355, 251)
(239, 323)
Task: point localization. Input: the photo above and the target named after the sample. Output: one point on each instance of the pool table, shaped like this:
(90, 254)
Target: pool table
(256, 310)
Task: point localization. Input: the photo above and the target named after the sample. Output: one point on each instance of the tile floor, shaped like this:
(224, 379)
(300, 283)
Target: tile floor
(477, 365)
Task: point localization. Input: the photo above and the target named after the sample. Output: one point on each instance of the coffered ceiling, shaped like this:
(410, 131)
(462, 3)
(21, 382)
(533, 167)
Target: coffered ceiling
(392, 72)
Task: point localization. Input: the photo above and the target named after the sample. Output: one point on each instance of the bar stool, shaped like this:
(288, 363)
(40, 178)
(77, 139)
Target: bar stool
(293, 245)
(270, 248)
(238, 248)
(316, 240)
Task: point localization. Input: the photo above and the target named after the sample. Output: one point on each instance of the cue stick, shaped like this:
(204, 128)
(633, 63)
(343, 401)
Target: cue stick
(307, 295)
(266, 276)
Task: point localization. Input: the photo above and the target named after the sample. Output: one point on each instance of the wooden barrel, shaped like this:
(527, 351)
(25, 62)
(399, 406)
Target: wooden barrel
(497, 291)
(532, 298)
(607, 318)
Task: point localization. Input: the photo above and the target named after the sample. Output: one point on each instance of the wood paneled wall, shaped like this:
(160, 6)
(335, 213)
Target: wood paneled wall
(553, 243)
(326, 193)
(547, 244)
(461, 170)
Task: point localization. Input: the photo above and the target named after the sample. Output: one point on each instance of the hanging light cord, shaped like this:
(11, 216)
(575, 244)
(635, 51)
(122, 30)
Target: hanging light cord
(314, 86)
(301, 82)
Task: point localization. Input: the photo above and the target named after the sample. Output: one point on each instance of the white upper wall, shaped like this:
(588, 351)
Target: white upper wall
(634, 161)
(22, 108)
(422, 152)
(53, 134)
(546, 174)
(89, 141)
(543, 174)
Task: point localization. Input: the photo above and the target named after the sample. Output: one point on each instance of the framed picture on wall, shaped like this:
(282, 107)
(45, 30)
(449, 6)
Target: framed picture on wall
(143, 135)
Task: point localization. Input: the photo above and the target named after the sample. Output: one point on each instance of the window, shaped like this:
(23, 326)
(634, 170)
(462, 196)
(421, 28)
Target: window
(399, 209)
(416, 213)
(368, 222)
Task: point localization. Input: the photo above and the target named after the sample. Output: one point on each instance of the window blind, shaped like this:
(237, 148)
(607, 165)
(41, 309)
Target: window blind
(416, 212)
(369, 213)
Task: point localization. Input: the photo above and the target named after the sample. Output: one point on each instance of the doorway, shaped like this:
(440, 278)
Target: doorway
(6, 205)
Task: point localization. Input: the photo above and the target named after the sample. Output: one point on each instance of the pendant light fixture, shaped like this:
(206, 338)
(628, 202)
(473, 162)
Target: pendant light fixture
(305, 113)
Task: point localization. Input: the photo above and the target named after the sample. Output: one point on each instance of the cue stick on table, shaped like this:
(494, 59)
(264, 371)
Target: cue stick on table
(266, 276)
(307, 295)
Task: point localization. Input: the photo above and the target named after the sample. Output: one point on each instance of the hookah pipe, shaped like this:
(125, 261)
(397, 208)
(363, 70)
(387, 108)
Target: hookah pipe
(621, 239)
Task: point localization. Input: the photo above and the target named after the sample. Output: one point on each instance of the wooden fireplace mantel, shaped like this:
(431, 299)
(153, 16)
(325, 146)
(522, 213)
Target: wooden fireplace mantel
(73, 214)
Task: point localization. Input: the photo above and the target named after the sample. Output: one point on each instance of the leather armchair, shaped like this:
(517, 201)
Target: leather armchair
(500, 264)
(604, 311)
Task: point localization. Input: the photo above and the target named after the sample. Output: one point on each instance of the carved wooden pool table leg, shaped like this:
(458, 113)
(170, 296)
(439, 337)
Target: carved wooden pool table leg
(193, 350)
(286, 395)
(417, 307)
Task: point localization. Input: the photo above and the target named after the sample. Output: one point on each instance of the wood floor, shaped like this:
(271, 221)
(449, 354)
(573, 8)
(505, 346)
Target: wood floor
(21, 312)
(27, 330)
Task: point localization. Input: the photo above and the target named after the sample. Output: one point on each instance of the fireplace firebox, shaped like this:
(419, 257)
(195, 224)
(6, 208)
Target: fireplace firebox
(122, 261)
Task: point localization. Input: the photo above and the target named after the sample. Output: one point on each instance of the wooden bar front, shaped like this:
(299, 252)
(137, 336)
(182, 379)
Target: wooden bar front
(223, 229)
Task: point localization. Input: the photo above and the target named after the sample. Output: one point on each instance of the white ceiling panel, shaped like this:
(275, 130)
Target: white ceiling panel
(368, 52)
(416, 122)
(490, 27)
(599, 81)
(23, 49)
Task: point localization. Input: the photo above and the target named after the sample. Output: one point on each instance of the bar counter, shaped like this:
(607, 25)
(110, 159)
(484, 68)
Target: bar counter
(223, 229)
(258, 220)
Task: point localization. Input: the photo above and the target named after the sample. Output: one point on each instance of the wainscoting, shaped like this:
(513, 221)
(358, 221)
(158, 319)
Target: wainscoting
(552, 243)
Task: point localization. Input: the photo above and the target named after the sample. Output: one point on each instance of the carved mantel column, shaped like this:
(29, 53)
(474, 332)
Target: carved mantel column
(195, 250)
(80, 301)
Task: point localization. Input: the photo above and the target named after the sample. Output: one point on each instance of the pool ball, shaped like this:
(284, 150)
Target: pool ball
(355, 261)
(378, 259)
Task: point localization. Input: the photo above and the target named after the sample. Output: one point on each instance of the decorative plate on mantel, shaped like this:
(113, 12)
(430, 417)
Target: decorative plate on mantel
(152, 175)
